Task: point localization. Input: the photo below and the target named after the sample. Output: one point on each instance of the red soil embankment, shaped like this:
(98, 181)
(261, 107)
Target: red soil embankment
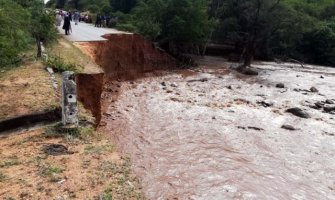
(126, 56)
(89, 90)
(122, 57)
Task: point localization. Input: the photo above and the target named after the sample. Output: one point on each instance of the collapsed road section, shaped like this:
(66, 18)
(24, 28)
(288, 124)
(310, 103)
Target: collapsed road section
(122, 57)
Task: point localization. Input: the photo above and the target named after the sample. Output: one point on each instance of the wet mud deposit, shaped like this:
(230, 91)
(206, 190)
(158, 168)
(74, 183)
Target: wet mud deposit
(210, 134)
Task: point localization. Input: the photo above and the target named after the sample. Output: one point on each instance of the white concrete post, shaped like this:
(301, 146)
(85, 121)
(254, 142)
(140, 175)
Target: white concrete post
(69, 100)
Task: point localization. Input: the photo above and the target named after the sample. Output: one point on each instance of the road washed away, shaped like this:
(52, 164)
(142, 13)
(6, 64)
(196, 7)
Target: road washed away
(209, 133)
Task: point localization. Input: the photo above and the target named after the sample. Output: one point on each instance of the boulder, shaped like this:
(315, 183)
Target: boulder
(288, 127)
(313, 89)
(280, 85)
(298, 112)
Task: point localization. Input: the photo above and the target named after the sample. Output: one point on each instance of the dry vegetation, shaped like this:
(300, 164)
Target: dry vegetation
(71, 54)
(25, 90)
(91, 168)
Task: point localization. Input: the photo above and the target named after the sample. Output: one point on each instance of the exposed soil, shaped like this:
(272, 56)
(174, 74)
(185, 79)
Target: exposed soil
(89, 90)
(122, 57)
(210, 133)
(126, 56)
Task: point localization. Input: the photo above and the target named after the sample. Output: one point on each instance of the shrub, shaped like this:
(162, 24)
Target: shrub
(59, 65)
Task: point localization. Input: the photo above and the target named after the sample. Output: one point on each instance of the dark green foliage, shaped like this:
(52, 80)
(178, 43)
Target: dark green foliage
(42, 25)
(14, 34)
(318, 45)
(173, 23)
(60, 3)
(299, 29)
(23, 22)
(123, 5)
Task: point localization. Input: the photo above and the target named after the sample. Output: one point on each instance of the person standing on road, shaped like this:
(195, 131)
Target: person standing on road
(67, 25)
(98, 21)
(76, 17)
(59, 19)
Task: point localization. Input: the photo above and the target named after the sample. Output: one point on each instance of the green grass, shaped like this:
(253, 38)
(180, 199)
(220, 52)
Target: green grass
(107, 196)
(9, 163)
(3, 177)
(124, 184)
(59, 65)
(57, 130)
(91, 149)
(52, 172)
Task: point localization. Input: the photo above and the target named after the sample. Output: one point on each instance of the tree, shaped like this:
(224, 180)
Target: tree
(42, 22)
(60, 3)
(174, 23)
(14, 36)
(124, 6)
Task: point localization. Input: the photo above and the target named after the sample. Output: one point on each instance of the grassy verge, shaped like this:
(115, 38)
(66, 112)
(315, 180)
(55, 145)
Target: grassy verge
(25, 90)
(71, 55)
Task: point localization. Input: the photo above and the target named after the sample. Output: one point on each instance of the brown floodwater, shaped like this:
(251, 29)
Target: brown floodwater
(200, 134)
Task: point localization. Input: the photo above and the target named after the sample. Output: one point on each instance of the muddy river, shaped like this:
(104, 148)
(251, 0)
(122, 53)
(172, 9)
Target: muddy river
(208, 133)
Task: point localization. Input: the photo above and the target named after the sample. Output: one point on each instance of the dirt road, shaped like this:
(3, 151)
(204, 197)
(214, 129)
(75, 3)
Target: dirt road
(212, 134)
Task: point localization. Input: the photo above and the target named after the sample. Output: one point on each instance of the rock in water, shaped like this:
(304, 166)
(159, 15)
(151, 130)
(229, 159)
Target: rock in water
(329, 109)
(280, 85)
(265, 103)
(328, 101)
(288, 127)
(174, 85)
(313, 89)
(298, 112)
(250, 72)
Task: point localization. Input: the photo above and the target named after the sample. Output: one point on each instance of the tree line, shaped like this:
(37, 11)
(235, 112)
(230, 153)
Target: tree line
(23, 23)
(303, 30)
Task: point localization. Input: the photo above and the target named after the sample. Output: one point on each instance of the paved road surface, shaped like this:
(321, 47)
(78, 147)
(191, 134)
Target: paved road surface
(87, 32)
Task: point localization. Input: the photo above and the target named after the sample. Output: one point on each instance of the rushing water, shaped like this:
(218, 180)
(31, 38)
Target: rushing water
(193, 137)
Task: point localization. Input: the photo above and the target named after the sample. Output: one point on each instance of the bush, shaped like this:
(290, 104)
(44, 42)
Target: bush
(59, 65)
(14, 34)
(126, 27)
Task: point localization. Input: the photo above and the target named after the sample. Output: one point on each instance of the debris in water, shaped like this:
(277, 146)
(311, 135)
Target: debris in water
(288, 127)
(313, 89)
(298, 112)
(280, 85)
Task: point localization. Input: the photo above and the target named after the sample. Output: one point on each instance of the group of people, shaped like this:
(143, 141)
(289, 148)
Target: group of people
(106, 21)
(67, 17)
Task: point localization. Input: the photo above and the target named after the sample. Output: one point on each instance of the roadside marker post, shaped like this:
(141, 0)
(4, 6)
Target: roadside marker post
(69, 100)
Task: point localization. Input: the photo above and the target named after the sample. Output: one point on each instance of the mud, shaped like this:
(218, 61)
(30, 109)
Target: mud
(211, 139)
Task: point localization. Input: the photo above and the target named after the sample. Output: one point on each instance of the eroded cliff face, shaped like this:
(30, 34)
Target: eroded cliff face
(126, 56)
(122, 57)
(89, 90)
